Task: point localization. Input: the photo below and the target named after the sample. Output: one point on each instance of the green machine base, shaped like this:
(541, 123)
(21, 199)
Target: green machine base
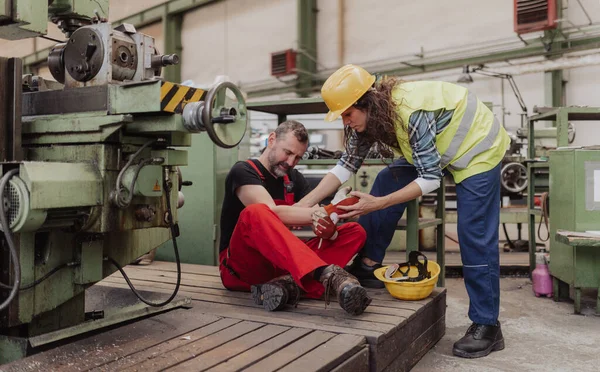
(105, 306)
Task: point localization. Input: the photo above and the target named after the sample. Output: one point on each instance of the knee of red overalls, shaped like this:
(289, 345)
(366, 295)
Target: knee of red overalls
(353, 236)
(228, 278)
(355, 230)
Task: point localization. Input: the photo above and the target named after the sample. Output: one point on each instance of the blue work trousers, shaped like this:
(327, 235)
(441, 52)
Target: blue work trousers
(478, 206)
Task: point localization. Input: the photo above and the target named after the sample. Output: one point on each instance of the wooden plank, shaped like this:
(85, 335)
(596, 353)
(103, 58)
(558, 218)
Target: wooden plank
(328, 355)
(291, 352)
(195, 348)
(574, 238)
(230, 349)
(359, 362)
(379, 294)
(212, 288)
(396, 308)
(261, 351)
(333, 315)
(392, 344)
(165, 347)
(381, 305)
(171, 266)
(168, 274)
(418, 348)
(283, 318)
(116, 343)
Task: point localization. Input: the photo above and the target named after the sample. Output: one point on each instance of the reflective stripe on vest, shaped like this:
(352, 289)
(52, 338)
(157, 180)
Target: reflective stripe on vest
(461, 133)
(485, 144)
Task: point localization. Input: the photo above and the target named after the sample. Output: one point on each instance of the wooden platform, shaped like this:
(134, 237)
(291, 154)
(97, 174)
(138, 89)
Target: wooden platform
(226, 331)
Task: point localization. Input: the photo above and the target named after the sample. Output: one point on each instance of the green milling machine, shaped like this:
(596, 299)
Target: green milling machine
(89, 177)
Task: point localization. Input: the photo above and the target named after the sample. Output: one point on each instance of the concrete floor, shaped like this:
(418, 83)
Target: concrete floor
(540, 334)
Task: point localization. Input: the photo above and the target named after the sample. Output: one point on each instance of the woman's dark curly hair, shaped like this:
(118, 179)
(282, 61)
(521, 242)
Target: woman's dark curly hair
(382, 118)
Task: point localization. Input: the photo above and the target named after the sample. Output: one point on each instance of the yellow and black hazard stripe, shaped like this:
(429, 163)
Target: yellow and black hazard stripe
(174, 96)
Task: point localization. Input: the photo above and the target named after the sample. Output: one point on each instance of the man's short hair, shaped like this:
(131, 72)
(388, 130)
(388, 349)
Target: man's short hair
(293, 126)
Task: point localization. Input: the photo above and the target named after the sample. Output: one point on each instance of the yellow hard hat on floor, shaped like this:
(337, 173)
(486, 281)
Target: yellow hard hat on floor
(343, 88)
(415, 283)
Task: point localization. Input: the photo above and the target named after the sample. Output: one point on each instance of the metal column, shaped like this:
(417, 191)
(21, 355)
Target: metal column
(11, 71)
(172, 24)
(307, 46)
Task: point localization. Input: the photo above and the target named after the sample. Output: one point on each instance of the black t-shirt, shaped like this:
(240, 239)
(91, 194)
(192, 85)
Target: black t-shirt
(242, 174)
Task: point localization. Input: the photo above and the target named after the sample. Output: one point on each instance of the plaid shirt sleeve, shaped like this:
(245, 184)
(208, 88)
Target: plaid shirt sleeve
(423, 127)
(355, 154)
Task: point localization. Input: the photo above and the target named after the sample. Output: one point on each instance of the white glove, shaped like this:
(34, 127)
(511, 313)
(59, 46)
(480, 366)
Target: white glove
(341, 194)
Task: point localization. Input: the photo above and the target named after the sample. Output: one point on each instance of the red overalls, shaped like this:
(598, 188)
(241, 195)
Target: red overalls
(263, 248)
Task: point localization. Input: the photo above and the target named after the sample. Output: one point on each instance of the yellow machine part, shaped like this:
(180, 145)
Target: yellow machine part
(173, 97)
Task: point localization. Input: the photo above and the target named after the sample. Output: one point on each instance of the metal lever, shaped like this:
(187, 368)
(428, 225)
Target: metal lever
(223, 119)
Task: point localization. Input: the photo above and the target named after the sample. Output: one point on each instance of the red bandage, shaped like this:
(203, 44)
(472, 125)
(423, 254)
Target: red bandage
(333, 208)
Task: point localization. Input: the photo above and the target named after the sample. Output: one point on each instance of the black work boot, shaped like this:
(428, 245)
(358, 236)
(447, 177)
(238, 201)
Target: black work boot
(276, 293)
(350, 295)
(479, 341)
(365, 273)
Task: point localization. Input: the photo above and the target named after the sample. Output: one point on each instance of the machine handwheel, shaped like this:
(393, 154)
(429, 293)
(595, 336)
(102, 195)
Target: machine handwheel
(225, 118)
(514, 177)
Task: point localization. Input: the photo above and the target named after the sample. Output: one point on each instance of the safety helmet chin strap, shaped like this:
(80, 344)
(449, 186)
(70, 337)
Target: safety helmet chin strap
(413, 260)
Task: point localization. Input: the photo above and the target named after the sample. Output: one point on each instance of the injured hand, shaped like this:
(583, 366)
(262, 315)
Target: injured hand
(340, 198)
(323, 226)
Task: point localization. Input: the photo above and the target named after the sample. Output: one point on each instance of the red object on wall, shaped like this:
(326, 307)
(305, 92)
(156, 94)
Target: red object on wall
(534, 15)
(283, 63)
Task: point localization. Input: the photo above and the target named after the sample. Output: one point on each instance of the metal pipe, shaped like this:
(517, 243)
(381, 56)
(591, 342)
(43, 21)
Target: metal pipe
(585, 12)
(341, 32)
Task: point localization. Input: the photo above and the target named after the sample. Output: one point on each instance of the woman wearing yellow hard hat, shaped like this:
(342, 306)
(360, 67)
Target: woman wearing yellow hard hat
(436, 127)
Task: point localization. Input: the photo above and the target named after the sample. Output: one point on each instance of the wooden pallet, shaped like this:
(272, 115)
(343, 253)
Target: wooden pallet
(226, 331)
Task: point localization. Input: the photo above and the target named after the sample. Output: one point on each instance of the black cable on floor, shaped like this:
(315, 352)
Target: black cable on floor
(173, 235)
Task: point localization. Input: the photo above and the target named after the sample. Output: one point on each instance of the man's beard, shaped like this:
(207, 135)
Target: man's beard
(275, 169)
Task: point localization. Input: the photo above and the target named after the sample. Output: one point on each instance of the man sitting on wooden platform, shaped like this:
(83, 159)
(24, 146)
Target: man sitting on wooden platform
(259, 253)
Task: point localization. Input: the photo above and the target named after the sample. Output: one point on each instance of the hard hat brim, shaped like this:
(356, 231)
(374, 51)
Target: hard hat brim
(333, 115)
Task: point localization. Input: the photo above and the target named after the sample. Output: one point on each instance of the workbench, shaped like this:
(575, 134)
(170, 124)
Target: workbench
(586, 266)
(226, 331)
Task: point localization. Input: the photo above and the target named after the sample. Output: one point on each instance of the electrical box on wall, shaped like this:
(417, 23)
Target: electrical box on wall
(534, 15)
(283, 63)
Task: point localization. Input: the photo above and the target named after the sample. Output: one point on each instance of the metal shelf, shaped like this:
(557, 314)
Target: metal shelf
(540, 164)
(335, 161)
(422, 224)
(535, 212)
(573, 113)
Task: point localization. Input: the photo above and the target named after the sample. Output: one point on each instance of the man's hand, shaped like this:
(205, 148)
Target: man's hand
(365, 204)
(341, 198)
(323, 226)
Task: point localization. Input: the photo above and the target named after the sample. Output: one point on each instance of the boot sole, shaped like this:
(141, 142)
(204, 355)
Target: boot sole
(354, 300)
(496, 346)
(271, 296)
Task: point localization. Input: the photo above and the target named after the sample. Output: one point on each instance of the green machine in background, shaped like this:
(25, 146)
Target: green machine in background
(89, 167)
(199, 220)
(575, 207)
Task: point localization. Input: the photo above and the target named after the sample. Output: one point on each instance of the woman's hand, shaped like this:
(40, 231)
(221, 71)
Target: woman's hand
(366, 204)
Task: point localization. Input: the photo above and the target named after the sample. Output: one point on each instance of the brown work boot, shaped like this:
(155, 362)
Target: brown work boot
(350, 295)
(276, 293)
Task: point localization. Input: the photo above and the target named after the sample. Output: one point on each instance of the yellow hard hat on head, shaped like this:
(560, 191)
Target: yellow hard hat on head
(343, 88)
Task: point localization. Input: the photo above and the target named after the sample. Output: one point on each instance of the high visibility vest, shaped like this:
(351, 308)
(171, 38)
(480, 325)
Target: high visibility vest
(472, 143)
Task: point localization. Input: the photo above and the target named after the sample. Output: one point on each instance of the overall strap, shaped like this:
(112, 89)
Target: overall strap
(262, 178)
